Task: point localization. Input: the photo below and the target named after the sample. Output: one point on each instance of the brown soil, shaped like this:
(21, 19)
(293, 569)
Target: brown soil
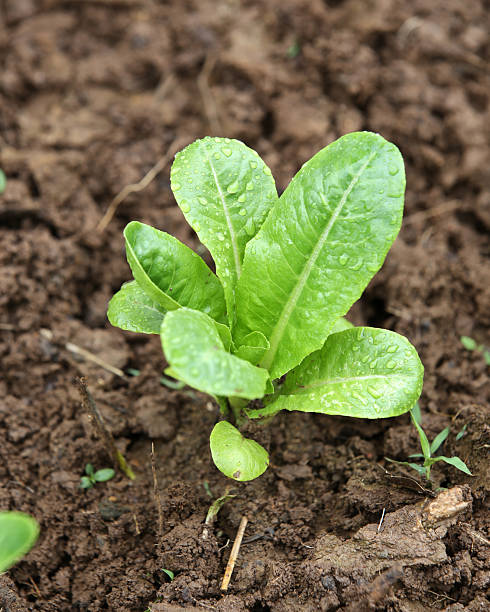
(93, 93)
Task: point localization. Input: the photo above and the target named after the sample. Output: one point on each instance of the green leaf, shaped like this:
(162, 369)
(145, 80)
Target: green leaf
(170, 273)
(196, 354)
(438, 440)
(424, 442)
(455, 462)
(253, 348)
(468, 343)
(3, 181)
(104, 474)
(360, 372)
(89, 469)
(133, 310)
(320, 245)
(415, 466)
(461, 432)
(169, 573)
(236, 456)
(341, 325)
(486, 357)
(86, 482)
(416, 413)
(18, 534)
(225, 191)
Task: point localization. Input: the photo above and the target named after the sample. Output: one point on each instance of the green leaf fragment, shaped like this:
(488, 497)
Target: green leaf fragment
(3, 181)
(360, 372)
(320, 246)
(225, 191)
(468, 343)
(455, 462)
(424, 442)
(104, 474)
(86, 482)
(196, 354)
(461, 432)
(89, 469)
(133, 310)
(253, 348)
(438, 440)
(18, 534)
(172, 274)
(236, 456)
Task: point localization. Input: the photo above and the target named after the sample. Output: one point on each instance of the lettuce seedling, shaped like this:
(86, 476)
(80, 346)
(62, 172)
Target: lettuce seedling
(18, 534)
(265, 333)
(92, 476)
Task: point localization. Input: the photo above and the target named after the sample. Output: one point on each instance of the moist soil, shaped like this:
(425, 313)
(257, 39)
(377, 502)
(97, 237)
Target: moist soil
(93, 94)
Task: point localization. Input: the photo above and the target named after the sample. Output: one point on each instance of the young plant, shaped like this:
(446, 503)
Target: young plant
(103, 475)
(428, 450)
(18, 534)
(471, 345)
(268, 326)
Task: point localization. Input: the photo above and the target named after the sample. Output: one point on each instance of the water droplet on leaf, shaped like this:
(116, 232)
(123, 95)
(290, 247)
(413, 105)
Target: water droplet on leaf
(176, 186)
(266, 171)
(242, 212)
(253, 165)
(250, 227)
(374, 392)
(185, 206)
(242, 198)
(227, 152)
(233, 188)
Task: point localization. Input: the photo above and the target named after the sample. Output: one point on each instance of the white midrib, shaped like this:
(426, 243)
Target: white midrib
(231, 231)
(289, 306)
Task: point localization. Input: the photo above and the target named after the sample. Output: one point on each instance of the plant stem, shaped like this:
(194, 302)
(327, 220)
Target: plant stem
(236, 404)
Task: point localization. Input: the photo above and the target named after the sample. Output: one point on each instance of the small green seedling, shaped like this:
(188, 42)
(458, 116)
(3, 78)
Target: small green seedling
(18, 534)
(429, 448)
(268, 325)
(471, 345)
(3, 181)
(169, 573)
(88, 481)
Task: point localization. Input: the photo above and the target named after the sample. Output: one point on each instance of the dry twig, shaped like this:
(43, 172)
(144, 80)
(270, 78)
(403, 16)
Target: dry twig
(207, 96)
(142, 184)
(90, 406)
(234, 554)
(156, 493)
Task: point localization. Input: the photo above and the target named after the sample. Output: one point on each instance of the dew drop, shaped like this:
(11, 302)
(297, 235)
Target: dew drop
(356, 347)
(250, 227)
(197, 227)
(242, 198)
(227, 140)
(374, 392)
(249, 186)
(357, 265)
(372, 267)
(343, 259)
(364, 359)
(175, 170)
(359, 397)
(217, 139)
(185, 206)
(266, 171)
(220, 236)
(408, 353)
(373, 364)
(390, 364)
(217, 155)
(233, 188)
(253, 165)
(392, 169)
(202, 201)
(176, 186)
(242, 212)
(227, 152)
(392, 348)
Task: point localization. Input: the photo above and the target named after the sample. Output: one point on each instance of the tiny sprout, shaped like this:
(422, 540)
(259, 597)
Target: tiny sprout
(88, 481)
(471, 345)
(169, 573)
(429, 448)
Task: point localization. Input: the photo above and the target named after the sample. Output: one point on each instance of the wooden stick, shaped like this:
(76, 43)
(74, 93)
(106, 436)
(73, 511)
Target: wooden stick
(135, 187)
(90, 406)
(234, 554)
(156, 493)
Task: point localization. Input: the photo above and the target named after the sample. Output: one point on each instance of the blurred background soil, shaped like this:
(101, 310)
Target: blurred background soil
(93, 93)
